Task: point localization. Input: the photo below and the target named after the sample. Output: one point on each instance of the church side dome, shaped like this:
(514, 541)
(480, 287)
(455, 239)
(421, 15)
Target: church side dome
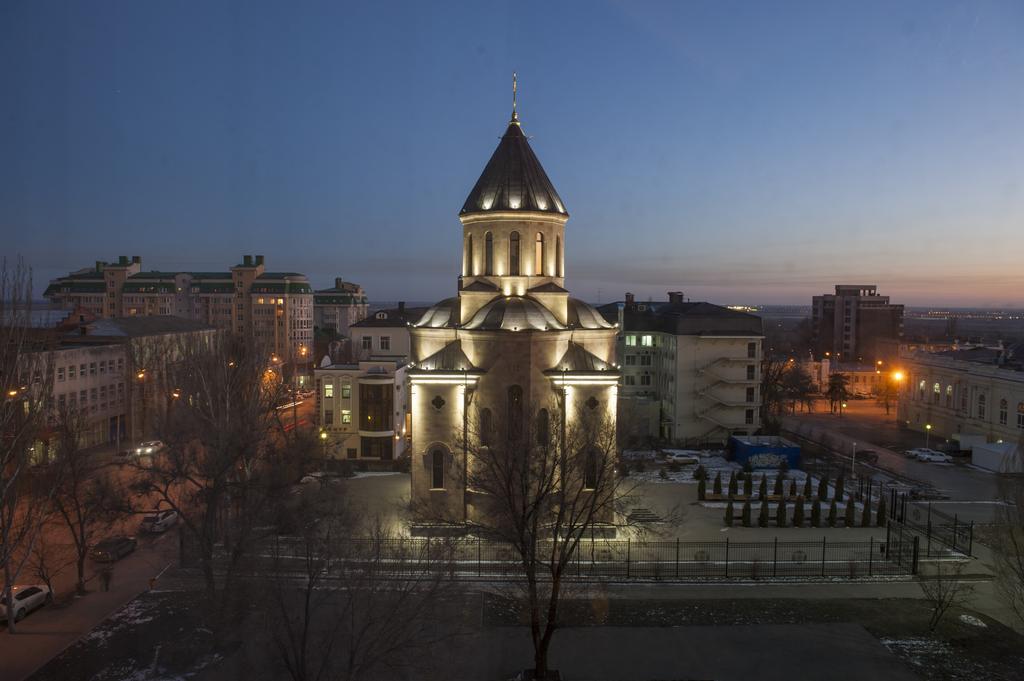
(441, 314)
(585, 316)
(514, 313)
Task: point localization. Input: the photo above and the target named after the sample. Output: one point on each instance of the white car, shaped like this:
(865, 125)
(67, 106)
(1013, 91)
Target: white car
(685, 457)
(158, 521)
(27, 597)
(149, 447)
(912, 453)
(932, 455)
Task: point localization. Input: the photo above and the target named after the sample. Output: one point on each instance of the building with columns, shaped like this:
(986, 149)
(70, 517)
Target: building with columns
(512, 341)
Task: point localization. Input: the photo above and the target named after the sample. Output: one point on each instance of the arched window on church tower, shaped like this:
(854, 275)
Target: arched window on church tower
(488, 254)
(558, 256)
(469, 270)
(513, 253)
(515, 412)
(437, 469)
(538, 255)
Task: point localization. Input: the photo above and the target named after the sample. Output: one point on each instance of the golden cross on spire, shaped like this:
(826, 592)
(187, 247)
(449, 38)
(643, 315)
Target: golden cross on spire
(515, 114)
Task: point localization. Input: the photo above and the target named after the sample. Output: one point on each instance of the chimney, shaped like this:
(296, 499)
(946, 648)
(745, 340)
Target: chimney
(99, 265)
(401, 306)
(259, 259)
(247, 260)
(675, 297)
(338, 281)
(122, 260)
(630, 298)
(136, 259)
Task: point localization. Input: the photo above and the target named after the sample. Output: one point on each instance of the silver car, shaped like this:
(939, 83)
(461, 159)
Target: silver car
(158, 521)
(27, 597)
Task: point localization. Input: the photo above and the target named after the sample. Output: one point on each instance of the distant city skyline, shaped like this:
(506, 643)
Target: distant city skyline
(740, 153)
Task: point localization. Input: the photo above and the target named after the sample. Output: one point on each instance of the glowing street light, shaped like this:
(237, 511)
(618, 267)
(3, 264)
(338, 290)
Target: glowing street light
(927, 434)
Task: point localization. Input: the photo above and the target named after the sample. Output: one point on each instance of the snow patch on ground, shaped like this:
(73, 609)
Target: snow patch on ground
(973, 621)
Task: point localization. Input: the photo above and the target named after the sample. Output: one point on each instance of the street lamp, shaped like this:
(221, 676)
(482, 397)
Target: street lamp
(853, 462)
(323, 439)
(927, 434)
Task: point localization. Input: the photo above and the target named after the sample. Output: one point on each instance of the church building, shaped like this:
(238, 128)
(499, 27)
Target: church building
(512, 342)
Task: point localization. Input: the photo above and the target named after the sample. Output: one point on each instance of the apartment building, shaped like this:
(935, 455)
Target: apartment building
(691, 371)
(276, 308)
(339, 307)
(855, 324)
(385, 333)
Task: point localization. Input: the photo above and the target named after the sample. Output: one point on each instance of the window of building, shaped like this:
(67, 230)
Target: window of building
(558, 256)
(921, 386)
(377, 448)
(469, 255)
(346, 416)
(645, 379)
(375, 407)
(515, 412)
(751, 372)
(346, 391)
(630, 360)
(590, 471)
(351, 452)
(749, 416)
(81, 370)
(751, 350)
(630, 341)
(949, 396)
(1004, 408)
(630, 379)
(92, 368)
(981, 406)
(963, 399)
(645, 360)
(71, 372)
(328, 389)
(385, 342)
(60, 374)
(437, 469)
(486, 427)
(328, 417)
(367, 342)
(513, 253)
(538, 255)
(488, 253)
(936, 392)
(647, 341)
(750, 395)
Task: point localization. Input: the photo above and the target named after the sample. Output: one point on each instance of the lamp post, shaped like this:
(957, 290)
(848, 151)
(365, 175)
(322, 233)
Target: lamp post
(853, 462)
(927, 434)
(323, 440)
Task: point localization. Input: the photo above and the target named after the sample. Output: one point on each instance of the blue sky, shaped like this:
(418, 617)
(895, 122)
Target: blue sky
(741, 152)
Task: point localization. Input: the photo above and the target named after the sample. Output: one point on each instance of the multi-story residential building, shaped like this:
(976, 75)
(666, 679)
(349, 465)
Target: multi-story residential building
(339, 307)
(90, 381)
(363, 410)
(855, 324)
(385, 333)
(691, 371)
(973, 391)
(276, 308)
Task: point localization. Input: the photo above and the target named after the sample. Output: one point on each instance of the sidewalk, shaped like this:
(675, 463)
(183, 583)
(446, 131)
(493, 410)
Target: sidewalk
(47, 632)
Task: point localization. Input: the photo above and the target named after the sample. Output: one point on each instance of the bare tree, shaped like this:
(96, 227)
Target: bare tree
(944, 590)
(85, 499)
(349, 601)
(49, 559)
(540, 486)
(1008, 539)
(26, 379)
(226, 456)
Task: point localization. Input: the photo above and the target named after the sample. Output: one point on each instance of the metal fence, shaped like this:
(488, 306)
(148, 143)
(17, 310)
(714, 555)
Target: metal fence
(617, 560)
(940, 533)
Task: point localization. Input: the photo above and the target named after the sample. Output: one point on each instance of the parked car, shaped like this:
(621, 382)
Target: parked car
(149, 447)
(27, 597)
(934, 456)
(158, 521)
(685, 457)
(912, 453)
(112, 549)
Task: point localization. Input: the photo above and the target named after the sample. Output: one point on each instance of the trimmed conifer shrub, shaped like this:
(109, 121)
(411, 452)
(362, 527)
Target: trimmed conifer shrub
(840, 483)
(734, 485)
(816, 513)
(807, 487)
(778, 486)
(823, 488)
(851, 512)
(832, 512)
(880, 520)
(702, 489)
(792, 488)
(798, 513)
(699, 473)
(746, 513)
(748, 486)
(780, 513)
(763, 489)
(865, 514)
(762, 519)
(728, 514)
(718, 483)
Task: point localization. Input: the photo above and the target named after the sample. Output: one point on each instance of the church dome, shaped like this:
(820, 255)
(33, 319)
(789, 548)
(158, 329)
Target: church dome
(513, 313)
(584, 316)
(513, 180)
(440, 315)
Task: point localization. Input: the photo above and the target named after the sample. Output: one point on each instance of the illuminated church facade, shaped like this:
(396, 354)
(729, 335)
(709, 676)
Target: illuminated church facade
(512, 341)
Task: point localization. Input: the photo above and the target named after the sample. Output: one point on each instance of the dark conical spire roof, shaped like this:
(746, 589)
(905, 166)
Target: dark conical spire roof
(513, 179)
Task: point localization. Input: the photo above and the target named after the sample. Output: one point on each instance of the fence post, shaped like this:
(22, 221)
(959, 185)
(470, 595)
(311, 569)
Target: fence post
(627, 556)
(726, 556)
(677, 557)
(478, 556)
(871, 553)
(954, 531)
(913, 563)
(775, 558)
(823, 540)
(970, 540)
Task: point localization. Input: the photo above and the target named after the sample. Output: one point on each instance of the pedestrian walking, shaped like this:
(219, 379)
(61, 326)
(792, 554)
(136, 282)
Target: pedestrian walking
(106, 574)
